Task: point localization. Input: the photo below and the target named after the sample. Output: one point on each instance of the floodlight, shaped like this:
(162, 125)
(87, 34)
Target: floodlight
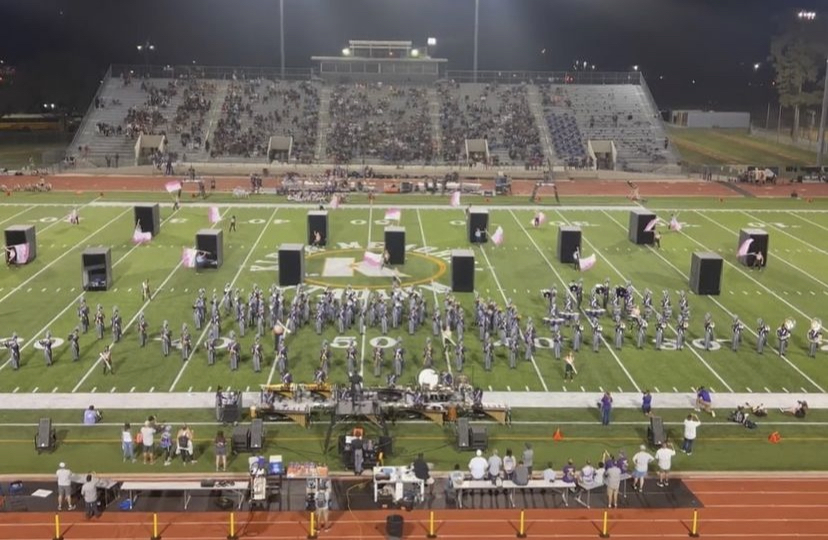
(635, 67)
(346, 52)
(415, 53)
(431, 42)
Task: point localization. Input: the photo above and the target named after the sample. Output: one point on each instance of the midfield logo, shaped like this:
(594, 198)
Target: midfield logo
(345, 267)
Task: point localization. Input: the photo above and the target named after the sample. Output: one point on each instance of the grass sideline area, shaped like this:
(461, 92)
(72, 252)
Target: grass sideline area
(699, 146)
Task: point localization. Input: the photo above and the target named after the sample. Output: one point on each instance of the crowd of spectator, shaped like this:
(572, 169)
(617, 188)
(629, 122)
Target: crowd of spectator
(191, 114)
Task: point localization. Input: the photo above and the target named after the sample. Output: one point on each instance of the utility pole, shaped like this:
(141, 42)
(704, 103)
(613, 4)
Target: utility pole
(821, 151)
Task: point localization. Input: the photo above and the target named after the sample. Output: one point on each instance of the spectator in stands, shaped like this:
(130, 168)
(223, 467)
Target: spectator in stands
(478, 466)
(91, 416)
(568, 472)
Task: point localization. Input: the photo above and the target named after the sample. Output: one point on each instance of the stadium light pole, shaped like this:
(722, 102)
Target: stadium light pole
(822, 119)
(476, 31)
(146, 49)
(282, 36)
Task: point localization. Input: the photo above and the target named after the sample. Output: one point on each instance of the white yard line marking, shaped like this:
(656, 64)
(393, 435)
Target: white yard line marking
(36, 388)
(748, 389)
(656, 389)
(767, 390)
(16, 388)
(232, 283)
(446, 354)
(785, 390)
(132, 389)
(814, 223)
(365, 304)
(54, 389)
(17, 214)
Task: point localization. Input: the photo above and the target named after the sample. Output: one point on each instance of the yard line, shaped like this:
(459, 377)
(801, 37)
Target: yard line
(233, 282)
(669, 325)
(433, 290)
(566, 288)
(17, 214)
(814, 223)
(365, 304)
(721, 306)
(505, 299)
(65, 253)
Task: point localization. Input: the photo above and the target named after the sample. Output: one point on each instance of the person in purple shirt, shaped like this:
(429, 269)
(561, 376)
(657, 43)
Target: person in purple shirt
(608, 459)
(647, 403)
(568, 472)
(622, 462)
(606, 407)
(703, 401)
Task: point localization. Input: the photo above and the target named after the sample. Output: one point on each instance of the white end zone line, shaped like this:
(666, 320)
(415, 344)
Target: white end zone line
(434, 291)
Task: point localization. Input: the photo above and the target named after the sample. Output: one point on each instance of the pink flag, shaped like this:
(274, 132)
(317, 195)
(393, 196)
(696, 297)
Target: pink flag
(539, 219)
(393, 214)
(21, 253)
(455, 199)
(188, 257)
(497, 237)
(139, 237)
(213, 214)
(335, 202)
(372, 259)
(173, 186)
(587, 262)
(651, 225)
(674, 224)
(743, 249)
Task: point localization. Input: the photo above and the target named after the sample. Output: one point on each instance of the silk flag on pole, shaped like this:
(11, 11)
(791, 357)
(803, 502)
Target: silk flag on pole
(743, 249)
(651, 225)
(334, 202)
(587, 262)
(497, 237)
(139, 237)
(173, 186)
(539, 219)
(455, 199)
(21, 252)
(213, 214)
(372, 259)
(674, 224)
(393, 214)
(188, 257)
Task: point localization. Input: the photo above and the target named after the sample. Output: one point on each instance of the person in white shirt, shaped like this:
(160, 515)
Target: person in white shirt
(509, 464)
(478, 466)
(495, 464)
(148, 442)
(127, 444)
(690, 424)
(642, 462)
(64, 482)
(600, 472)
(664, 457)
(549, 474)
(588, 474)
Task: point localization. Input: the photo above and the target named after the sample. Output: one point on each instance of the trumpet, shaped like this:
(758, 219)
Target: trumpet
(816, 325)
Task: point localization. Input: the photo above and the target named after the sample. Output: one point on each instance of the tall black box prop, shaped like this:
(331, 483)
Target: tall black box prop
(291, 264)
(478, 221)
(96, 268)
(569, 239)
(22, 234)
(759, 245)
(395, 244)
(210, 242)
(462, 270)
(318, 223)
(150, 218)
(706, 273)
(639, 219)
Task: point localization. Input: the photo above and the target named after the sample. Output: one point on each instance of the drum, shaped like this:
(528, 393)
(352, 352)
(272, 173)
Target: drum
(428, 379)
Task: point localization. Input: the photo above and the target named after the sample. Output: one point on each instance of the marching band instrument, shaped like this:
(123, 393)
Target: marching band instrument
(790, 324)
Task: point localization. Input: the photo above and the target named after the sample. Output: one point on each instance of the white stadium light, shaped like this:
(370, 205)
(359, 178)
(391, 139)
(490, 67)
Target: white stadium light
(431, 42)
(415, 53)
(346, 52)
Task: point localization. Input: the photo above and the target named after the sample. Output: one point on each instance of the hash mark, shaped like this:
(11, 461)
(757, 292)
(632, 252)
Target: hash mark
(748, 389)
(490, 388)
(94, 389)
(527, 387)
(132, 389)
(785, 390)
(508, 388)
(36, 388)
(15, 390)
(112, 391)
(656, 389)
(601, 388)
(152, 389)
(675, 389)
(54, 389)
(767, 390)
(803, 390)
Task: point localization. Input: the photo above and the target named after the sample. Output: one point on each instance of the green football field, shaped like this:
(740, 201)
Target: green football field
(42, 296)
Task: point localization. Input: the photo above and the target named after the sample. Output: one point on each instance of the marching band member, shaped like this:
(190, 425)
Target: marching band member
(569, 367)
(577, 334)
(762, 336)
(736, 333)
(659, 333)
(597, 334)
(46, 343)
(681, 330)
(783, 334)
(814, 337)
(378, 360)
(13, 345)
(619, 333)
(106, 358)
(488, 353)
(642, 332)
(74, 344)
(709, 325)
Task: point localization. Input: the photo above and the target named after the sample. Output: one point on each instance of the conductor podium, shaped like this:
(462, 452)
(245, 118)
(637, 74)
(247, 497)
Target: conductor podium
(395, 244)
(318, 224)
(149, 216)
(569, 239)
(291, 264)
(706, 273)
(96, 268)
(209, 246)
(462, 270)
(478, 221)
(639, 219)
(22, 243)
(759, 245)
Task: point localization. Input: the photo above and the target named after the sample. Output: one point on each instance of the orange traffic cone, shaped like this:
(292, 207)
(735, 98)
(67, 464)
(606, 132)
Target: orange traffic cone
(774, 438)
(558, 436)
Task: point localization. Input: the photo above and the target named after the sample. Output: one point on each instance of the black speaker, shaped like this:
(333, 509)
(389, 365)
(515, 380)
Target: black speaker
(655, 432)
(759, 245)
(291, 264)
(22, 234)
(394, 526)
(257, 434)
(569, 239)
(462, 270)
(463, 434)
(211, 242)
(706, 273)
(96, 264)
(639, 219)
(150, 217)
(318, 223)
(385, 445)
(478, 220)
(479, 438)
(46, 438)
(395, 244)
(241, 435)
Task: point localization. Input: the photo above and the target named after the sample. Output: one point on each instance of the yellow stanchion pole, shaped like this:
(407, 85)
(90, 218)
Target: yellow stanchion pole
(522, 527)
(694, 530)
(155, 535)
(312, 530)
(58, 536)
(605, 526)
(431, 532)
(232, 535)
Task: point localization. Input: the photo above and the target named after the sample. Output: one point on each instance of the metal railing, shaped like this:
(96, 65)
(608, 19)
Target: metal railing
(211, 72)
(552, 77)
(88, 114)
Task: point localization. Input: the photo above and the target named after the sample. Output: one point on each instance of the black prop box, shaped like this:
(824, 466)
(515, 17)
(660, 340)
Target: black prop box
(291, 264)
(462, 270)
(318, 223)
(478, 220)
(639, 219)
(149, 216)
(22, 234)
(96, 266)
(395, 244)
(209, 244)
(706, 273)
(569, 239)
(759, 245)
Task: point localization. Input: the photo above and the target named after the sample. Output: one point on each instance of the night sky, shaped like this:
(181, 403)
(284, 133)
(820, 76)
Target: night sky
(714, 42)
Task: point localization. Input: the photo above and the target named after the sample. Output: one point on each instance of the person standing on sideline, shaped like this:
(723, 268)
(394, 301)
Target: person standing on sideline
(221, 451)
(233, 223)
(642, 462)
(664, 457)
(148, 442)
(127, 444)
(89, 491)
(647, 403)
(613, 481)
(690, 424)
(64, 483)
(528, 457)
(323, 504)
(606, 408)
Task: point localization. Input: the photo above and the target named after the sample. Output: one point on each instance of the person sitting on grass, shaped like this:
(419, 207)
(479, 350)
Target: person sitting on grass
(799, 410)
(703, 401)
(91, 416)
(757, 410)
